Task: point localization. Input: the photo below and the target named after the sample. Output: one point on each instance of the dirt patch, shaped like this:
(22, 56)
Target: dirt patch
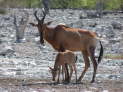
(33, 85)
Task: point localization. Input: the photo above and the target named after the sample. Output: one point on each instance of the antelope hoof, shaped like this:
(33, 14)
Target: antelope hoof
(65, 82)
(78, 81)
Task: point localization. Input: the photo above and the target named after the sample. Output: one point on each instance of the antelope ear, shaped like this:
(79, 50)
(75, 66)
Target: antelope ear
(48, 23)
(33, 24)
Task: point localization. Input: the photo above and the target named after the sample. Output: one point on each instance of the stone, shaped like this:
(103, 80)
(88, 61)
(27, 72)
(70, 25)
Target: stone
(6, 50)
(117, 25)
(93, 14)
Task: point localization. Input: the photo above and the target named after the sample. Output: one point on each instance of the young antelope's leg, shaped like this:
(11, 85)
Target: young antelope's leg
(59, 70)
(67, 79)
(63, 73)
(74, 66)
(71, 71)
(87, 65)
(66, 76)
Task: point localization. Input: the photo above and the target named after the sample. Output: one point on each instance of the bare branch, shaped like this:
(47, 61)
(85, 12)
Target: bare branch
(23, 22)
(20, 29)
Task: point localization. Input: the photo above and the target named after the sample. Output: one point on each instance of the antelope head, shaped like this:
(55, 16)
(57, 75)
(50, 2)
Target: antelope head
(41, 25)
(53, 72)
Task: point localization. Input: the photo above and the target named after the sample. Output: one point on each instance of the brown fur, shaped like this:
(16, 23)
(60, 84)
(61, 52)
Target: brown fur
(64, 38)
(63, 58)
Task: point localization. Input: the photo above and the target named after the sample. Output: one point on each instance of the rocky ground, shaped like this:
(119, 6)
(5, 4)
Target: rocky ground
(24, 66)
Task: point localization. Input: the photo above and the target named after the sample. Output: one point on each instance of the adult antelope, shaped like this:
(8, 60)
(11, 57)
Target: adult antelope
(62, 58)
(64, 38)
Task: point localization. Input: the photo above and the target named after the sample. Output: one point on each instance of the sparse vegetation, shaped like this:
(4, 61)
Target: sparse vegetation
(20, 3)
(87, 4)
(113, 56)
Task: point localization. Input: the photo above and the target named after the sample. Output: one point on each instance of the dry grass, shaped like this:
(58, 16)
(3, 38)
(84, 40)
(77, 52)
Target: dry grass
(113, 56)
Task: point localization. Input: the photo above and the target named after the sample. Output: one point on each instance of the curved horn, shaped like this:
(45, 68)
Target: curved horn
(35, 14)
(44, 15)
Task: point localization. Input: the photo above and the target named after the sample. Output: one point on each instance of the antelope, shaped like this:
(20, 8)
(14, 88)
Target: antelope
(64, 38)
(62, 58)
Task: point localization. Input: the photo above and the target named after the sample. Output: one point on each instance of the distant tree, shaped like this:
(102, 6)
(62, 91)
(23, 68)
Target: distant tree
(30, 3)
(121, 5)
(99, 7)
(46, 4)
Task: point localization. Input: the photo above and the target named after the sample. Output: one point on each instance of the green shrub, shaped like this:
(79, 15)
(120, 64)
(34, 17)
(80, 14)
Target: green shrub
(113, 4)
(87, 4)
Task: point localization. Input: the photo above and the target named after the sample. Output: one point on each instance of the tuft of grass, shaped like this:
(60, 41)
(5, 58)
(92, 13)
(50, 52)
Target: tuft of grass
(113, 56)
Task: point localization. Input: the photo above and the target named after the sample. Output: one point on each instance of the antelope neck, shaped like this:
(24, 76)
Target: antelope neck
(48, 33)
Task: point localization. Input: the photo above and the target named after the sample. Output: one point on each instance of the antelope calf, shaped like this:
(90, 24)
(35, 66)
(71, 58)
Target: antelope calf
(67, 57)
(64, 38)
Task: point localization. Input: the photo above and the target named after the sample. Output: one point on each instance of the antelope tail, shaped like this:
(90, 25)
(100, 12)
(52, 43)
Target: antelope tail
(101, 53)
